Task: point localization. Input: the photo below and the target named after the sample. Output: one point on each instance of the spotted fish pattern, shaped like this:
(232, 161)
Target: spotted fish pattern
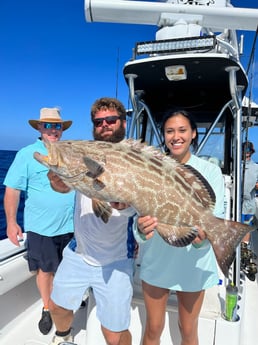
(151, 182)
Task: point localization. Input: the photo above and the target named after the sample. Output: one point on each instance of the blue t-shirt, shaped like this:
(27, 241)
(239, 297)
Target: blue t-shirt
(46, 212)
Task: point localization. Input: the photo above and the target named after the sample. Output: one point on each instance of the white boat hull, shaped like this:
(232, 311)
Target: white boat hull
(21, 308)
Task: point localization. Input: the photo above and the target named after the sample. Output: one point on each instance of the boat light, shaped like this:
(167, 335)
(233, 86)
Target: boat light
(176, 45)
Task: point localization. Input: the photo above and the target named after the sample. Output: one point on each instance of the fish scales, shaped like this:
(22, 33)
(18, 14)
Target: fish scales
(153, 184)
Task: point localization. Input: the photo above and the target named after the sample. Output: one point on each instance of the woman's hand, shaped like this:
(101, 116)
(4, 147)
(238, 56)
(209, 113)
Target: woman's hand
(146, 226)
(200, 237)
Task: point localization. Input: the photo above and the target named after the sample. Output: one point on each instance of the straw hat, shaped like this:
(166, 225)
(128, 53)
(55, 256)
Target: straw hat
(51, 115)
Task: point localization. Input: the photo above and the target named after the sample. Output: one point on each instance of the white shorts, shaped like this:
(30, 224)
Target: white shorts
(111, 285)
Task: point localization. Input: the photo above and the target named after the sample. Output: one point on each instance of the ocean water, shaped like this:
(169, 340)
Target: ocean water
(6, 158)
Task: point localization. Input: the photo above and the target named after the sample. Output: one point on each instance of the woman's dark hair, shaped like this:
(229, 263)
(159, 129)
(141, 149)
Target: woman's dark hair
(189, 117)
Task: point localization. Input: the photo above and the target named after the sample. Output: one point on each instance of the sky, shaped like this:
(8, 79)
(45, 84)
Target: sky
(50, 56)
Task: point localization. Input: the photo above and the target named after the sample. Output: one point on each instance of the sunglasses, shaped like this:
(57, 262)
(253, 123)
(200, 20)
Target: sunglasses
(110, 120)
(48, 125)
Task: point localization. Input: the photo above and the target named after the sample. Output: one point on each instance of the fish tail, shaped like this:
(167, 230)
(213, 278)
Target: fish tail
(225, 241)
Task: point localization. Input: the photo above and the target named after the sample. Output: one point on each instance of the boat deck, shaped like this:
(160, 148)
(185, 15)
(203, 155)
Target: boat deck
(21, 308)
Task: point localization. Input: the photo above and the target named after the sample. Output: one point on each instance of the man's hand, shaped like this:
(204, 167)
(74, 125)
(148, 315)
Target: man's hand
(119, 205)
(14, 233)
(56, 183)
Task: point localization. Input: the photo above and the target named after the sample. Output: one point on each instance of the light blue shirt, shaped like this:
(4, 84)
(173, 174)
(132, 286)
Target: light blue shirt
(185, 268)
(46, 212)
(250, 178)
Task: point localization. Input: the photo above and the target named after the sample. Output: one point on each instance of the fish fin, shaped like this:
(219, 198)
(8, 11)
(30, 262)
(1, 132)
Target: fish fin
(225, 242)
(203, 192)
(178, 236)
(98, 185)
(101, 209)
(95, 169)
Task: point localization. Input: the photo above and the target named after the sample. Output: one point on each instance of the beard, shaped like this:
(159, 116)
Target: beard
(114, 137)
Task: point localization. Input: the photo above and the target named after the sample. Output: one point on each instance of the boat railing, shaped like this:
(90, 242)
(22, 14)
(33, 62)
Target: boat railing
(13, 265)
(8, 250)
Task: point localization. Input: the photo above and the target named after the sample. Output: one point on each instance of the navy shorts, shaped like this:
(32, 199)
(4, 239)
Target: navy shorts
(45, 252)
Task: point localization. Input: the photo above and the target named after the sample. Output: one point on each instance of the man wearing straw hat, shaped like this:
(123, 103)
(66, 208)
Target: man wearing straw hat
(48, 215)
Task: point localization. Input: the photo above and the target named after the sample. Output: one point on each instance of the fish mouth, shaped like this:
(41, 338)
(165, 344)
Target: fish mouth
(73, 178)
(41, 158)
(45, 160)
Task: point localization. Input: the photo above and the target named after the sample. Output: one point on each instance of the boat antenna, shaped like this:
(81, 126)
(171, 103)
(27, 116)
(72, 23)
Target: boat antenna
(249, 108)
(252, 51)
(117, 68)
(251, 63)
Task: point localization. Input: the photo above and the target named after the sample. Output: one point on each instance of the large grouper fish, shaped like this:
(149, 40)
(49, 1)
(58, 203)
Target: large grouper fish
(152, 183)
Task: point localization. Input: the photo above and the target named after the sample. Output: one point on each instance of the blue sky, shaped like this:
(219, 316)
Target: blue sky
(50, 56)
